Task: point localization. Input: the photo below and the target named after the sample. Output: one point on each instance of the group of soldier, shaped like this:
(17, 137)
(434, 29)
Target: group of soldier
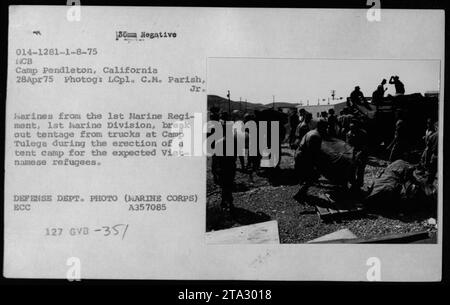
(358, 98)
(223, 165)
(306, 136)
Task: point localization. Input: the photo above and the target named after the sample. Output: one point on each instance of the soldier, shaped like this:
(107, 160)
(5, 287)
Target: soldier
(378, 95)
(302, 129)
(429, 131)
(301, 115)
(357, 97)
(306, 158)
(430, 155)
(253, 161)
(225, 170)
(399, 87)
(241, 136)
(332, 123)
(357, 137)
(294, 120)
(399, 145)
(214, 116)
(344, 122)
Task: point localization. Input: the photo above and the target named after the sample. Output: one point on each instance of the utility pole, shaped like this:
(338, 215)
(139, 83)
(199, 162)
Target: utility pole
(229, 102)
(273, 101)
(240, 103)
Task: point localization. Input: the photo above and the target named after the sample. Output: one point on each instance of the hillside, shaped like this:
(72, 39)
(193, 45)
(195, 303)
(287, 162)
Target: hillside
(222, 103)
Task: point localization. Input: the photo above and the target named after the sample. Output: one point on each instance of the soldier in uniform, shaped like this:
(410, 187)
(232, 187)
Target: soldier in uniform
(306, 158)
(357, 137)
(225, 169)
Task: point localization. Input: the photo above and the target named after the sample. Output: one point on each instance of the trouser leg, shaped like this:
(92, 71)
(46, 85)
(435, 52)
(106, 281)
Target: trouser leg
(242, 161)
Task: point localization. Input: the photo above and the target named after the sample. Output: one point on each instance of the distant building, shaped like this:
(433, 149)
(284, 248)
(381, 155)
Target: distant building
(339, 106)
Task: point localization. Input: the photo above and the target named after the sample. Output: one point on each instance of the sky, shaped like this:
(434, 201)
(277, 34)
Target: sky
(297, 80)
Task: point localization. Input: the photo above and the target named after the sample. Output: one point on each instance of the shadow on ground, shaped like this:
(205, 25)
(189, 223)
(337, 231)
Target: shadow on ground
(217, 220)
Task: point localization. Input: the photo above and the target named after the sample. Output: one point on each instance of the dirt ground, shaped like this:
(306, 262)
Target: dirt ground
(264, 199)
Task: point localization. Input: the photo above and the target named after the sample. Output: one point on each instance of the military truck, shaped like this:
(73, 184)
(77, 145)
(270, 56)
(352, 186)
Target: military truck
(379, 119)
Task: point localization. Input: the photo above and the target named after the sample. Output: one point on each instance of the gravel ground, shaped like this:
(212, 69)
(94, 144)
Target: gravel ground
(262, 200)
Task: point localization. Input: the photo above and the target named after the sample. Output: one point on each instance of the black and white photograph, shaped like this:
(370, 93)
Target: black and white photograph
(358, 151)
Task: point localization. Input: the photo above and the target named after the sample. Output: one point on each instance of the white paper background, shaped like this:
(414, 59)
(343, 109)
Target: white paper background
(171, 245)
